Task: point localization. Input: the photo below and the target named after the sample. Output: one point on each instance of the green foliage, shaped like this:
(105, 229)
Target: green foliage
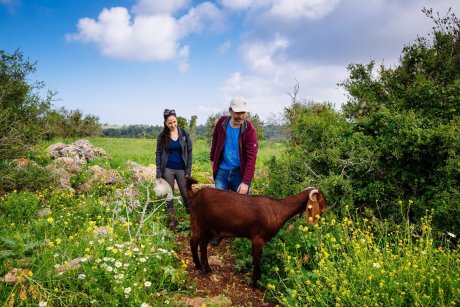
(182, 122)
(319, 154)
(410, 116)
(24, 177)
(398, 136)
(64, 123)
(131, 131)
(21, 106)
(20, 207)
(258, 124)
(192, 128)
(360, 261)
(211, 123)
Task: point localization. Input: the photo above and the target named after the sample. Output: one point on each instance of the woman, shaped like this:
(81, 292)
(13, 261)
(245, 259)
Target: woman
(174, 160)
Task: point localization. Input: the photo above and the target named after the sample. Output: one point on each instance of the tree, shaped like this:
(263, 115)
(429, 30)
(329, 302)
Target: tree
(70, 123)
(398, 137)
(182, 122)
(192, 128)
(258, 124)
(21, 107)
(211, 123)
(409, 117)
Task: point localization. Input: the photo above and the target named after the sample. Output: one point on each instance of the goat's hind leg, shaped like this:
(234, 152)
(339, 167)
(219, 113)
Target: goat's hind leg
(194, 249)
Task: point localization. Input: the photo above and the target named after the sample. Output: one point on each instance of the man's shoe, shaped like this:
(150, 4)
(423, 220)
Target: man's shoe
(216, 240)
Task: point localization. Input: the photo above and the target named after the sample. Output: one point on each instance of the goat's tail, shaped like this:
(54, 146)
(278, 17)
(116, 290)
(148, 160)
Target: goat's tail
(189, 181)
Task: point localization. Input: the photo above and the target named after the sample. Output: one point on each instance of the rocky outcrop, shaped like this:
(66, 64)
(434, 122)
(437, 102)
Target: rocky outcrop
(101, 176)
(81, 149)
(142, 173)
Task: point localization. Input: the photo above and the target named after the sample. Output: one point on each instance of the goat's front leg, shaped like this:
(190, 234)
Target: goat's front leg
(204, 254)
(257, 246)
(194, 248)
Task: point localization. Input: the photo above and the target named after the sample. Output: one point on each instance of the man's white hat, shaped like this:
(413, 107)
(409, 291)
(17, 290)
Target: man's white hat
(238, 104)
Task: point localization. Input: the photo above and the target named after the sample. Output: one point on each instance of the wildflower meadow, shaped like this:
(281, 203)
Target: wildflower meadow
(110, 246)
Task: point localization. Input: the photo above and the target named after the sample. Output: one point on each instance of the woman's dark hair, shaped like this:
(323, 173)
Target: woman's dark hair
(164, 136)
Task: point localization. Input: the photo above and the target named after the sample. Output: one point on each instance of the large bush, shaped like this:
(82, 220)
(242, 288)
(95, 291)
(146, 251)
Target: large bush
(397, 138)
(21, 107)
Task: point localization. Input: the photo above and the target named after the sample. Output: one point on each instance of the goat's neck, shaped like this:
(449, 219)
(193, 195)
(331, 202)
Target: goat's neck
(291, 206)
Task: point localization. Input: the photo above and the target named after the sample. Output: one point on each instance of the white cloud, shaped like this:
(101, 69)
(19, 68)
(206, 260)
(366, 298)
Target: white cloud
(286, 9)
(243, 4)
(259, 55)
(183, 64)
(153, 7)
(267, 93)
(312, 9)
(205, 16)
(151, 35)
(144, 38)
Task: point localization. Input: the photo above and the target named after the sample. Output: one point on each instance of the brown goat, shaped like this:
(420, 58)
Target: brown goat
(256, 217)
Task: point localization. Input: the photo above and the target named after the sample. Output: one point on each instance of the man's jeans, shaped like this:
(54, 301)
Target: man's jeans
(228, 180)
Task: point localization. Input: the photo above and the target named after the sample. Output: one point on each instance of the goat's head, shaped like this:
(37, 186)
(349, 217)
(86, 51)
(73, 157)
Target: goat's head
(316, 205)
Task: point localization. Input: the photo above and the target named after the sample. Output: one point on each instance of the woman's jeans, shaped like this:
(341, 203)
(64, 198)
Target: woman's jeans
(228, 180)
(179, 175)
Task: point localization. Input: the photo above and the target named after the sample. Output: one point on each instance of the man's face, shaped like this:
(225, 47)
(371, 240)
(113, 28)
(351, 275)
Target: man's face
(238, 117)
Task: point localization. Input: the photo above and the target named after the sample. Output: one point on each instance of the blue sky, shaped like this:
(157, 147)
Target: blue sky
(127, 60)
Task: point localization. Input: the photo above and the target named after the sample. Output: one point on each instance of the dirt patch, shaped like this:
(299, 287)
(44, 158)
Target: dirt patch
(223, 286)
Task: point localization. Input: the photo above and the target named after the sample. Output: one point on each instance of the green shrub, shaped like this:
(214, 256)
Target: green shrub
(17, 177)
(20, 207)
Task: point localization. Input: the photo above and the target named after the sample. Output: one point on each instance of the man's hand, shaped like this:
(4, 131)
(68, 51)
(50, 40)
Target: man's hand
(243, 188)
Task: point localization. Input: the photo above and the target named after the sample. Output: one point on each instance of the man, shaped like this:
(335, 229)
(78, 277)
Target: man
(234, 148)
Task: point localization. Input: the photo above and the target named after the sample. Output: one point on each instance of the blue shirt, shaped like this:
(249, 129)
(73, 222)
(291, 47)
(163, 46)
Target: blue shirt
(231, 156)
(175, 156)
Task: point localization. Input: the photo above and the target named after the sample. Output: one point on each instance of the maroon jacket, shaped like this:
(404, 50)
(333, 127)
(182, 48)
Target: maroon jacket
(248, 146)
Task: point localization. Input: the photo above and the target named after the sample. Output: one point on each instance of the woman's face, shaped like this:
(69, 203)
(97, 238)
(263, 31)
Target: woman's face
(171, 123)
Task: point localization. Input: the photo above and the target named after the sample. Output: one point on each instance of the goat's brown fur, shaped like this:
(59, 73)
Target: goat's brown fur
(256, 217)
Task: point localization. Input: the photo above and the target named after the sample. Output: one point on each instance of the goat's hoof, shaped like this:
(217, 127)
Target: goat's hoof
(207, 270)
(216, 240)
(198, 267)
